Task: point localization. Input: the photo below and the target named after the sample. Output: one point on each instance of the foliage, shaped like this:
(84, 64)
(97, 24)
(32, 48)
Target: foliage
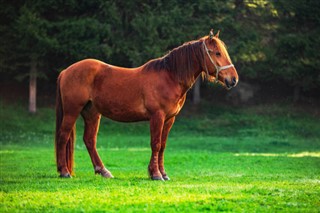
(298, 42)
(262, 158)
(267, 40)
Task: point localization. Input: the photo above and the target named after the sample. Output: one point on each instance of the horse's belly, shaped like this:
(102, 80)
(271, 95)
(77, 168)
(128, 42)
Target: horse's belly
(122, 111)
(126, 116)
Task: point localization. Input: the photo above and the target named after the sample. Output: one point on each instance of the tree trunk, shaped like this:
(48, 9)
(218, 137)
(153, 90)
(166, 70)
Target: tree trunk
(196, 92)
(33, 86)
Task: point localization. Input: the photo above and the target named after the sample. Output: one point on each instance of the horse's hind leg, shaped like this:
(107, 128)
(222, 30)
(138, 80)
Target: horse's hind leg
(65, 136)
(92, 120)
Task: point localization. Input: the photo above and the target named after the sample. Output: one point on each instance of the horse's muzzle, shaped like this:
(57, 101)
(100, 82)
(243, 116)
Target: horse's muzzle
(230, 82)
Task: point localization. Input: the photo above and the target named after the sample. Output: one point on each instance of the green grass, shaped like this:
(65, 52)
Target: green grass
(256, 159)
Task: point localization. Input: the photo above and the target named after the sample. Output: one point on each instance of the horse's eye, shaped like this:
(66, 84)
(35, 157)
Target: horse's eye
(218, 54)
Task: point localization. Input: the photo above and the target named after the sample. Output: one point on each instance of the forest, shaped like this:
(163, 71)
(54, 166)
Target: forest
(273, 43)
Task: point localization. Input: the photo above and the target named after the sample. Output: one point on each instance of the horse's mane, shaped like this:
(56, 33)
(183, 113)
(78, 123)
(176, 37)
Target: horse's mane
(182, 61)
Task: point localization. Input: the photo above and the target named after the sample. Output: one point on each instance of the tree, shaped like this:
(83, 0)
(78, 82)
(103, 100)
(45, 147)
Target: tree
(38, 33)
(269, 41)
(296, 55)
(27, 43)
(35, 43)
(277, 42)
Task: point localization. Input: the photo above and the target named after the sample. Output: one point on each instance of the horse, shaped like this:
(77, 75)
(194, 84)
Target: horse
(154, 92)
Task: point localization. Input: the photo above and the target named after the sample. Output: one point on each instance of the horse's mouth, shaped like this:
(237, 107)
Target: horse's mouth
(224, 83)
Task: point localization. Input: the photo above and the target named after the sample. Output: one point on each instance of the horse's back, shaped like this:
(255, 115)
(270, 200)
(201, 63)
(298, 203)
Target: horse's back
(82, 71)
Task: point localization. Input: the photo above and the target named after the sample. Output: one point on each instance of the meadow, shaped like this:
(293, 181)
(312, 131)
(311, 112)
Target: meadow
(263, 158)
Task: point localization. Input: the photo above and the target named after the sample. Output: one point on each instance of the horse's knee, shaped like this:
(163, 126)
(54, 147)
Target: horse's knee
(89, 144)
(89, 140)
(63, 139)
(156, 146)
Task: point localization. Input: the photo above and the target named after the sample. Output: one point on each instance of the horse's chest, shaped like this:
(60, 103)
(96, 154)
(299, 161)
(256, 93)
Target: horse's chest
(177, 107)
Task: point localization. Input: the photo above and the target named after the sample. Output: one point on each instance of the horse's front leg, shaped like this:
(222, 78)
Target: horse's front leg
(156, 127)
(165, 132)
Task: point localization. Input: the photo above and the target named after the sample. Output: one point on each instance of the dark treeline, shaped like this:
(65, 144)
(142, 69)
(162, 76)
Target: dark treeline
(269, 41)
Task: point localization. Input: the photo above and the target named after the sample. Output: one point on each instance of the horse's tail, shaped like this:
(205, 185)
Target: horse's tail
(71, 140)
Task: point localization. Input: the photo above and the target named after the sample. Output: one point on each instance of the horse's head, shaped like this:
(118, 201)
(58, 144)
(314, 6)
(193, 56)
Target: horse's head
(218, 65)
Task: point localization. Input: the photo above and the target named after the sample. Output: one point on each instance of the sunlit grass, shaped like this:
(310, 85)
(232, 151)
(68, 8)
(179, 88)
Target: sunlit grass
(261, 159)
(296, 155)
(200, 181)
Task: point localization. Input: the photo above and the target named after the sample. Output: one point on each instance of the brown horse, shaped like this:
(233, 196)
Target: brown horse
(155, 92)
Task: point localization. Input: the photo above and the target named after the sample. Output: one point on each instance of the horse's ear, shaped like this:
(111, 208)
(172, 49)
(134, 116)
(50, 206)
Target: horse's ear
(217, 35)
(211, 34)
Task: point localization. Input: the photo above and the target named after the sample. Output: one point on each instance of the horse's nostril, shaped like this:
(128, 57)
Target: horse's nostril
(227, 83)
(234, 80)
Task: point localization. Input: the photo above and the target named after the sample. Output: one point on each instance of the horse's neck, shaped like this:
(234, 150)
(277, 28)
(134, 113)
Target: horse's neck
(186, 87)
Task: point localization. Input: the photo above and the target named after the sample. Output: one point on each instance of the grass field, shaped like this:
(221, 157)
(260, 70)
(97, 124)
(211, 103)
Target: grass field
(253, 159)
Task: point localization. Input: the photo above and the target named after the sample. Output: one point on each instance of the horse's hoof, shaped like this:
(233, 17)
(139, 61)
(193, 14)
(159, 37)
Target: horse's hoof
(67, 175)
(157, 178)
(165, 177)
(105, 173)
